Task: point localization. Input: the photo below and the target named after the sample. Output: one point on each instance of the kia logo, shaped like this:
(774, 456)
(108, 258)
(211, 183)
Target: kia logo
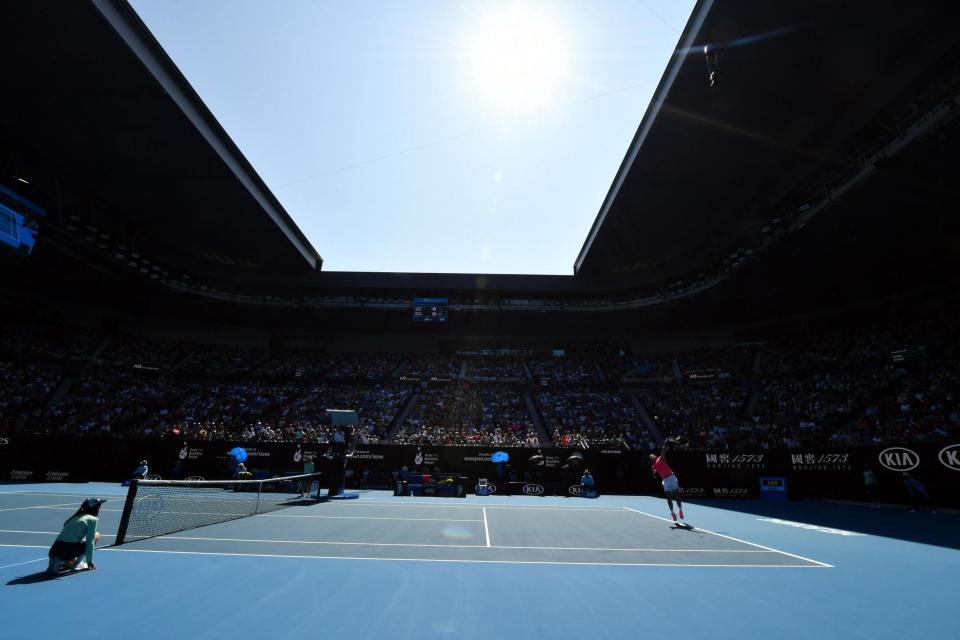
(575, 490)
(194, 478)
(950, 457)
(900, 459)
(533, 489)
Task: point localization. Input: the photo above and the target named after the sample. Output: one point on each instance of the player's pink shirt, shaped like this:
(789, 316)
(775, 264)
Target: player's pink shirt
(661, 467)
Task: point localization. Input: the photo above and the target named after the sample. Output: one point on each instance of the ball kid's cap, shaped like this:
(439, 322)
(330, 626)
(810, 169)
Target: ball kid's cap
(90, 503)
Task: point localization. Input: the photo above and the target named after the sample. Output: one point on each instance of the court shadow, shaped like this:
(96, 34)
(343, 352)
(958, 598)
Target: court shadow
(940, 529)
(33, 578)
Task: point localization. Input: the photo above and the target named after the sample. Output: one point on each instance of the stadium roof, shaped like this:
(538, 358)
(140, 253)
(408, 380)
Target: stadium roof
(798, 82)
(98, 97)
(804, 86)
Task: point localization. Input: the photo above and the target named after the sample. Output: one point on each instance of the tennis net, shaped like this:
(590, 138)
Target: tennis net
(159, 507)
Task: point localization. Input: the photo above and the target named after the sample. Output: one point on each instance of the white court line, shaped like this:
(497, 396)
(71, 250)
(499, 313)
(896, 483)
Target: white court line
(486, 528)
(69, 506)
(259, 515)
(52, 533)
(752, 544)
(458, 560)
(326, 542)
(456, 546)
(17, 564)
(451, 546)
(64, 505)
(283, 515)
(110, 496)
(351, 504)
(27, 546)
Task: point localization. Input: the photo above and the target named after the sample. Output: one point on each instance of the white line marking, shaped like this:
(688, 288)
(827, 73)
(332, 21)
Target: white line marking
(281, 515)
(811, 527)
(110, 496)
(486, 528)
(752, 544)
(351, 504)
(27, 546)
(17, 564)
(640, 550)
(450, 546)
(71, 507)
(44, 506)
(52, 533)
(605, 564)
(327, 542)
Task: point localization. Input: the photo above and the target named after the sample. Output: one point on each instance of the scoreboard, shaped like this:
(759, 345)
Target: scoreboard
(430, 309)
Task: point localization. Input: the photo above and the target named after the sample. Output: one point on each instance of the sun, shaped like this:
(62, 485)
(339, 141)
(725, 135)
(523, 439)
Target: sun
(518, 58)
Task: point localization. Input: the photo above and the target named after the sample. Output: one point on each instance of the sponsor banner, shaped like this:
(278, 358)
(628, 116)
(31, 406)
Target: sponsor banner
(426, 458)
(809, 461)
(188, 452)
(810, 473)
(491, 488)
(367, 454)
(949, 457)
(899, 459)
(305, 456)
(533, 489)
(541, 489)
(731, 492)
(480, 455)
(737, 461)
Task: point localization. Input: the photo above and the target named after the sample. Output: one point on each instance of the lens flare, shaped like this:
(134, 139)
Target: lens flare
(518, 58)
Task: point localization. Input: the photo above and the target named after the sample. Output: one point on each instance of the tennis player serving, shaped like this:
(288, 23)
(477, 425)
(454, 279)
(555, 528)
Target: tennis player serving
(671, 486)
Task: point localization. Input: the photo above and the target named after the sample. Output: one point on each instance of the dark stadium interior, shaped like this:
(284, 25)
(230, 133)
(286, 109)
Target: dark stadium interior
(769, 292)
(141, 183)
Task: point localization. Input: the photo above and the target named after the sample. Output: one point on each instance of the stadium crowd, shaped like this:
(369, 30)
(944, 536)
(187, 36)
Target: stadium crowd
(470, 415)
(896, 384)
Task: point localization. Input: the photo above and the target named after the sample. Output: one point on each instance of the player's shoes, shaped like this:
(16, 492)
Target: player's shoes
(674, 516)
(681, 514)
(81, 566)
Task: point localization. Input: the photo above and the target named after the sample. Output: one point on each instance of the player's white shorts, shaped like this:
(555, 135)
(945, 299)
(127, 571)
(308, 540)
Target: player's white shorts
(670, 483)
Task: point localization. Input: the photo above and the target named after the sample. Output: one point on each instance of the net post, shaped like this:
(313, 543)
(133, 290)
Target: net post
(127, 509)
(256, 507)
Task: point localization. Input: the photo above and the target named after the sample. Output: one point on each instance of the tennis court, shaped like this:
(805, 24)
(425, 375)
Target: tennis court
(427, 567)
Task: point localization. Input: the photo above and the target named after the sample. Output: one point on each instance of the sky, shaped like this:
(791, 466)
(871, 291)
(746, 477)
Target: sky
(429, 135)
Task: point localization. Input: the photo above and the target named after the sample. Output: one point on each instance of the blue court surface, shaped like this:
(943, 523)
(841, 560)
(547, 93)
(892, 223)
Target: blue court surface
(490, 567)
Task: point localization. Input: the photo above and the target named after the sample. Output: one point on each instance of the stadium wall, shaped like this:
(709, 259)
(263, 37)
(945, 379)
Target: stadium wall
(802, 473)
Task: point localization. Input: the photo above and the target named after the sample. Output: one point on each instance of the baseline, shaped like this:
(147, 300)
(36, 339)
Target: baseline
(752, 544)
